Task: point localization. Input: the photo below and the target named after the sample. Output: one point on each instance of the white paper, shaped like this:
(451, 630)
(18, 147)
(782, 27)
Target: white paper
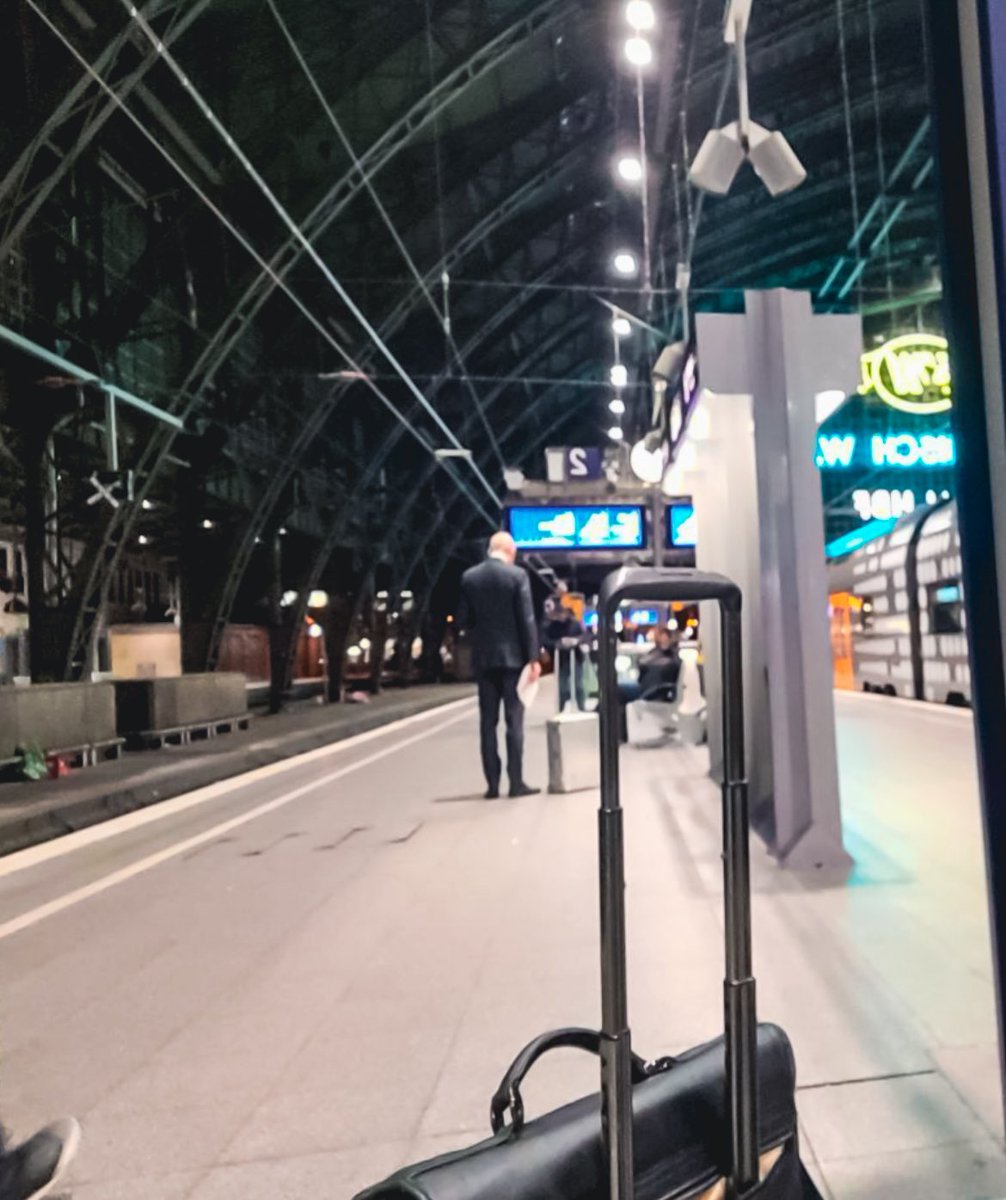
(527, 688)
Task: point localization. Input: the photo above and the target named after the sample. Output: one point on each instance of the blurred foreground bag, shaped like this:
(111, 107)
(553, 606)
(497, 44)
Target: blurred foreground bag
(716, 1123)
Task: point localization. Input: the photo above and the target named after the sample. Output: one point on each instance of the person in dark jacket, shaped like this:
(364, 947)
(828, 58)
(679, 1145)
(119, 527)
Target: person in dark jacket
(497, 611)
(564, 640)
(658, 667)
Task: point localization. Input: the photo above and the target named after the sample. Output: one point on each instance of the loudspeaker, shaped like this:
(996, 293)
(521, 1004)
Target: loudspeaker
(719, 159)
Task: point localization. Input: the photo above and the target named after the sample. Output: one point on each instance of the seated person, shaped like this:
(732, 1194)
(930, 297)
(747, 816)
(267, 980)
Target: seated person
(660, 666)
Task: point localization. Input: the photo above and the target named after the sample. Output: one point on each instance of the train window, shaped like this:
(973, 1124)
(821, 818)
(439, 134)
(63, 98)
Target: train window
(946, 606)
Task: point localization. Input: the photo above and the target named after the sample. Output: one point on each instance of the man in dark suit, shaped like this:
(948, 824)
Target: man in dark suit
(496, 608)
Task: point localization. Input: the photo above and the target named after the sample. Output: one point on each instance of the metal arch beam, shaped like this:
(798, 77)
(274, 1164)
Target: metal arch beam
(377, 156)
(545, 397)
(155, 452)
(457, 533)
(338, 527)
(505, 438)
(66, 109)
(322, 412)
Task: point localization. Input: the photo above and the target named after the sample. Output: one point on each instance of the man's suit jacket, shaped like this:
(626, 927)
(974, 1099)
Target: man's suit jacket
(496, 608)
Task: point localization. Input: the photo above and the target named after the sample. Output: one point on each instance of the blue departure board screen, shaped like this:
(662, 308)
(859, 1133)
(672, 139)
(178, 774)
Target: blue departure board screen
(578, 527)
(681, 526)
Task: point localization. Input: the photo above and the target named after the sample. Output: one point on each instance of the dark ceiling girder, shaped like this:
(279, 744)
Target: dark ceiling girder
(311, 428)
(105, 107)
(338, 528)
(373, 160)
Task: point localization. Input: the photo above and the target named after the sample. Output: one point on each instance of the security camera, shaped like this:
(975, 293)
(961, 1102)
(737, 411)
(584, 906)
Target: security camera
(668, 361)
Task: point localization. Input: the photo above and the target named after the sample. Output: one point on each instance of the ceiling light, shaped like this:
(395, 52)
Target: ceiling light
(143, 540)
(630, 168)
(622, 326)
(640, 14)
(615, 433)
(146, 505)
(207, 523)
(625, 263)
(638, 51)
(619, 375)
(647, 465)
(617, 406)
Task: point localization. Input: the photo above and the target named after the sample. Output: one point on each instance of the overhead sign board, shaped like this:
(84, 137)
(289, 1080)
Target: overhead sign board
(565, 464)
(578, 527)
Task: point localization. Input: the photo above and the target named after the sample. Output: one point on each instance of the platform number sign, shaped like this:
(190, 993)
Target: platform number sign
(583, 462)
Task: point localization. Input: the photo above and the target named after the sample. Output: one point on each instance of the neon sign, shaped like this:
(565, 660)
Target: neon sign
(905, 450)
(908, 450)
(910, 373)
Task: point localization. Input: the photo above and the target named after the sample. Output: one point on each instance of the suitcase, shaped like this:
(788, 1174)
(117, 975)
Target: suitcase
(715, 1123)
(573, 764)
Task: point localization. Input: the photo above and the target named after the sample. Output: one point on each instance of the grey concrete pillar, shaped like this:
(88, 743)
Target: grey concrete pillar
(782, 355)
(724, 489)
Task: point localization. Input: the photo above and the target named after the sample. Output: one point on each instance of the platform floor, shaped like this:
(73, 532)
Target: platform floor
(291, 984)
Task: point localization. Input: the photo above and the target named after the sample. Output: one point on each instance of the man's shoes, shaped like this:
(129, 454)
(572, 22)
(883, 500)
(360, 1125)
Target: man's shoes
(522, 789)
(33, 1169)
(492, 793)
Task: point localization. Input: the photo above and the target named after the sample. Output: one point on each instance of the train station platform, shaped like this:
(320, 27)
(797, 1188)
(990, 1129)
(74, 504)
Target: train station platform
(292, 984)
(37, 811)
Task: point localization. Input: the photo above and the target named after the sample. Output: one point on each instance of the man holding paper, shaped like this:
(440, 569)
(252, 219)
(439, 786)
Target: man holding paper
(497, 611)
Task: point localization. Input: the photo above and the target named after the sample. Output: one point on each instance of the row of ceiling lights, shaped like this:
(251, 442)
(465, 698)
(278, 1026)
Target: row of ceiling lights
(641, 18)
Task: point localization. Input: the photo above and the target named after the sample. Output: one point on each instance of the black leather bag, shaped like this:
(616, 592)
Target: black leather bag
(719, 1121)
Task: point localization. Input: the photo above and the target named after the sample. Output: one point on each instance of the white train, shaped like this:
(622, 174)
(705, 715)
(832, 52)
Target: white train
(897, 612)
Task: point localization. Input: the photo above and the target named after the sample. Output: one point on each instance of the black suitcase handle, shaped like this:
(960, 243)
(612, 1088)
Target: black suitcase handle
(739, 987)
(507, 1096)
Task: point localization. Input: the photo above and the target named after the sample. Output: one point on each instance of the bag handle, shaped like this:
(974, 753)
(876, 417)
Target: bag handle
(507, 1096)
(739, 988)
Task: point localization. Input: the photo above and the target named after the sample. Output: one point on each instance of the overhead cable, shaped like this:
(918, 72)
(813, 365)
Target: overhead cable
(298, 234)
(388, 223)
(250, 249)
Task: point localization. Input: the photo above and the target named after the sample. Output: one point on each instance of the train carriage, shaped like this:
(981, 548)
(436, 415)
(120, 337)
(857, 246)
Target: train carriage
(897, 612)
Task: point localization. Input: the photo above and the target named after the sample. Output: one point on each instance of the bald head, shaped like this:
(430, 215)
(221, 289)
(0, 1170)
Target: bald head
(502, 545)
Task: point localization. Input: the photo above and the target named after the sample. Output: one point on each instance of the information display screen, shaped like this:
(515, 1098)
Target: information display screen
(578, 527)
(681, 526)
(643, 616)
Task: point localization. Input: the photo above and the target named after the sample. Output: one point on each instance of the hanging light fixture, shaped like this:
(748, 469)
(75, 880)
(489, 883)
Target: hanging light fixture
(640, 15)
(615, 433)
(621, 326)
(625, 263)
(619, 375)
(630, 168)
(638, 51)
(616, 406)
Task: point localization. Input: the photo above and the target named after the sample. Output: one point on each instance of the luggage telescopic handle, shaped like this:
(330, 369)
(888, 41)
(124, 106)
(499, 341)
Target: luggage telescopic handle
(688, 586)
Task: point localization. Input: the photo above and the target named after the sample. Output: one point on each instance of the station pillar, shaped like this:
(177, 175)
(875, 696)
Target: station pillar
(778, 356)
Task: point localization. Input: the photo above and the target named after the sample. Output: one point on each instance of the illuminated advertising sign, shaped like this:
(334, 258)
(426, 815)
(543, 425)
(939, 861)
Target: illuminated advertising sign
(910, 373)
(578, 527)
(902, 450)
